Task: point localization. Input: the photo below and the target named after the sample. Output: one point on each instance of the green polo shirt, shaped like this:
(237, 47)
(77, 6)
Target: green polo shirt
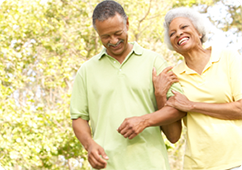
(106, 92)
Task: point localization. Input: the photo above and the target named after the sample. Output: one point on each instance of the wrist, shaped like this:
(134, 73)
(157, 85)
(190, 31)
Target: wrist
(89, 142)
(160, 94)
(192, 107)
(146, 120)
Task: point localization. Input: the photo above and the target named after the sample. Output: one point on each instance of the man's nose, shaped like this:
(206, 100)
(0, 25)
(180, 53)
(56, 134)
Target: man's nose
(113, 40)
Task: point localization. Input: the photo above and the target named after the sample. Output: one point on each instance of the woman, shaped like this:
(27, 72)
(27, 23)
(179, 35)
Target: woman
(212, 82)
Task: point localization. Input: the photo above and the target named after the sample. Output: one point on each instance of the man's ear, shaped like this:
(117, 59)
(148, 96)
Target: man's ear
(127, 23)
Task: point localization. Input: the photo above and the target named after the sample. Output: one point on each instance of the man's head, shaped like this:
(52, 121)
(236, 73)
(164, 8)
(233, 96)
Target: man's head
(107, 9)
(111, 24)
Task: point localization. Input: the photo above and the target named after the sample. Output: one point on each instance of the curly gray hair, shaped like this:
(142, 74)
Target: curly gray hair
(195, 17)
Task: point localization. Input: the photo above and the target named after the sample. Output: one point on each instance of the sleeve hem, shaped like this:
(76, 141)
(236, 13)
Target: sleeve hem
(76, 116)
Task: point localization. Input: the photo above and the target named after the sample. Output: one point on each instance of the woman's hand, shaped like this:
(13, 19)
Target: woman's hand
(180, 102)
(163, 81)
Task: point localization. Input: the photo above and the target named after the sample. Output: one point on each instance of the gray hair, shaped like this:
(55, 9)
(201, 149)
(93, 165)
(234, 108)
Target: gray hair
(195, 17)
(107, 9)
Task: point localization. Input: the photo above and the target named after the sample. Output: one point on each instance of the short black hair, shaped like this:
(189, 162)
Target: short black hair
(107, 9)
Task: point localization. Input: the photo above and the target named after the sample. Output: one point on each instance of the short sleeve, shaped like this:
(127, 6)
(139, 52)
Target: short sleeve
(78, 105)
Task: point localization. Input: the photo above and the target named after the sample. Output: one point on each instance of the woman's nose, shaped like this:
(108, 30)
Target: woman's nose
(179, 33)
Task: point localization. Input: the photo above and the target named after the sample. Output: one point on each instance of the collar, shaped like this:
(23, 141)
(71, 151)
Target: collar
(215, 57)
(137, 49)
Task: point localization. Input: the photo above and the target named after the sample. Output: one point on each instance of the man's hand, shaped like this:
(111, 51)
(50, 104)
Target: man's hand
(180, 102)
(132, 126)
(97, 156)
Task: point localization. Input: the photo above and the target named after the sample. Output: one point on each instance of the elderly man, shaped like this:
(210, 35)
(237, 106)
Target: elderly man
(114, 91)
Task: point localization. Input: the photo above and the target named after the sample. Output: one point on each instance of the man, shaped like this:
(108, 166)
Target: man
(114, 91)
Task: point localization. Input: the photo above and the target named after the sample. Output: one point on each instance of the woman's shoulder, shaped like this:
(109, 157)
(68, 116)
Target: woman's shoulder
(225, 52)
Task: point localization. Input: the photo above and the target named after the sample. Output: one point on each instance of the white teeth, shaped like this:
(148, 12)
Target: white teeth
(182, 40)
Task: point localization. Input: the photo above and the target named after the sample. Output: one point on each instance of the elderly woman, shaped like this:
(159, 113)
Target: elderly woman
(212, 82)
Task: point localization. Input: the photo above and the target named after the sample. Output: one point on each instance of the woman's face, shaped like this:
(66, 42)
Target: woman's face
(183, 35)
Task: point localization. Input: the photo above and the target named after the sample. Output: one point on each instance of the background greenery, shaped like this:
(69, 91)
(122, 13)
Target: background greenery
(42, 45)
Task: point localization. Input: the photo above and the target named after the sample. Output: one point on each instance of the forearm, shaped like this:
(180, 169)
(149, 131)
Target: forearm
(82, 132)
(164, 116)
(160, 100)
(173, 130)
(227, 111)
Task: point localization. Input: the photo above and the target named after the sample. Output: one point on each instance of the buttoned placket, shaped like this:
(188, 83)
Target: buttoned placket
(116, 64)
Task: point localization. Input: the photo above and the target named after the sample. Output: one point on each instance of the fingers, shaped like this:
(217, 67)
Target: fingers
(103, 154)
(172, 76)
(167, 69)
(96, 164)
(167, 73)
(131, 127)
(125, 129)
(128, 132)
(121, 127)
(169, 103)
(133, 135)
(170, 73)
(96, 161)
(153, 74)
(97, 157)
(175, 92)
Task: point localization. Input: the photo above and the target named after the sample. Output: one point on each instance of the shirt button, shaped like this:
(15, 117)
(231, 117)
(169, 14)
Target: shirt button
(114, 62)
(120, 69)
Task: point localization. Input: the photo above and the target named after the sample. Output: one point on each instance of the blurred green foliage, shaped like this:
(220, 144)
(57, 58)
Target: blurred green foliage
(43, 44)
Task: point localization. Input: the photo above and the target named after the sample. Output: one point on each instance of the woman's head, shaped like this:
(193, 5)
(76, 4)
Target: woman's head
(195, 17)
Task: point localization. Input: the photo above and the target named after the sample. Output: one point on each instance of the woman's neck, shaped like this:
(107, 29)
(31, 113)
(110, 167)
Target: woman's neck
(197, 59)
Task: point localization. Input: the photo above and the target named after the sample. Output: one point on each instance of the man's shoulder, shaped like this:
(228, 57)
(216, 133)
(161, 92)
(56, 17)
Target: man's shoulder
(152, 52)
(145, 51)
(88, 64)
(93, 60)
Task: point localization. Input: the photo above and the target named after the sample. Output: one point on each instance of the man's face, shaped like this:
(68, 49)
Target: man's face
(113, 33)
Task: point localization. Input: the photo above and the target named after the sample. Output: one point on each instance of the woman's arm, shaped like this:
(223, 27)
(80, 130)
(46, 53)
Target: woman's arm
(167, 117)
(162, 83)
(226, 111)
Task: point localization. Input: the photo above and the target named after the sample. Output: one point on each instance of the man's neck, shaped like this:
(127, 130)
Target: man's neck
(121, 58)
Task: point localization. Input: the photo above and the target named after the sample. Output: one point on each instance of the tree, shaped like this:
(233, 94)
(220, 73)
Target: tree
(43, 44)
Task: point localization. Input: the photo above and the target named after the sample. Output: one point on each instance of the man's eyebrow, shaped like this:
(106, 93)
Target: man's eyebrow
(119, 31)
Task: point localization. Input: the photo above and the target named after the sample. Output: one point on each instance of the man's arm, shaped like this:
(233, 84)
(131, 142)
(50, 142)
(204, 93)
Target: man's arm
(173, 130)
(132, 126)
(167, 117)
(162, 83)
(83, 134)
